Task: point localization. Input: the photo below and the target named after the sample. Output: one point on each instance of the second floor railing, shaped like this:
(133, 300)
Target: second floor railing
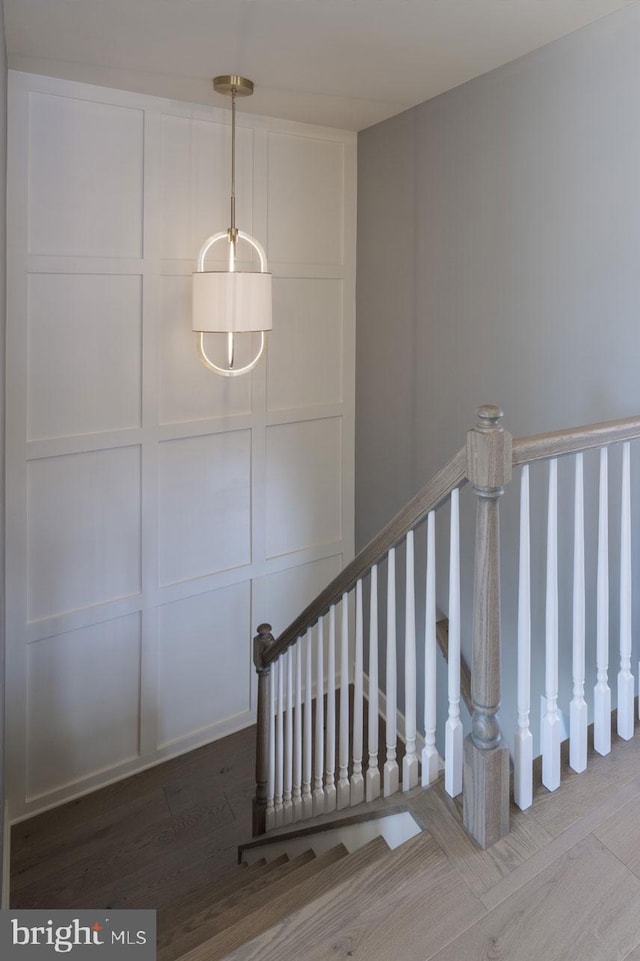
(326, 680)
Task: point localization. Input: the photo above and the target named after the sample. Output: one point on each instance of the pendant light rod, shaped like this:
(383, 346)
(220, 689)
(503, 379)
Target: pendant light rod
(233, 164)
(232, 85)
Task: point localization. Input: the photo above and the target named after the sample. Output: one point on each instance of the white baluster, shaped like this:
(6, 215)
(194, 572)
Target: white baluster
(344, 790)
(330, 748)
(280, 744)
(550, 734)
(391, 777)
(318, 791)
(271, 777)
(373, 774)
(287, 803)
(357, 780)
(625, 677)
(453, 729)
(429, 752)
(307, 800)
(410, 760)
(578, 712)
(602, 691)
(297, 734)
(523, 741)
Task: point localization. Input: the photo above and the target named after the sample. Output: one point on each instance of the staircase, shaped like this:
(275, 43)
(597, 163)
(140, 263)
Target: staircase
(312, 758)
(547, 886)
(543, 860)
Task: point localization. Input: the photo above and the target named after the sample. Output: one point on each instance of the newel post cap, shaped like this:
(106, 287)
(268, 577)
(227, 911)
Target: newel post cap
(489, 450)
(261, 644)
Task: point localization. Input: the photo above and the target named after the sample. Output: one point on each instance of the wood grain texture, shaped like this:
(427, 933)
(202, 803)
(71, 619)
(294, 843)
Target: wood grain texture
(567, 913)
(144, 841)
(621, 835)
(383, 911)
(255, 921)
(486, 761)
(574, 439)
(480, 869)
(182, 910)
(453, 474)
(581, 794)
(216, 916)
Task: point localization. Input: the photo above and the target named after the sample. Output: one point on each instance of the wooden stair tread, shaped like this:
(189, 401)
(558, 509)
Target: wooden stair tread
(234, 880)
(280, 905)
(211, 921)
(312, 930)
(208, 911)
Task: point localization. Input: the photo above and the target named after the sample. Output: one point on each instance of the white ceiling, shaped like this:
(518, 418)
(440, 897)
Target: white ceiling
(342, 63)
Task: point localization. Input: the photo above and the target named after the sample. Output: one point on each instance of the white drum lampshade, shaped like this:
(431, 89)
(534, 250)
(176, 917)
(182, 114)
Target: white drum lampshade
(226, 302)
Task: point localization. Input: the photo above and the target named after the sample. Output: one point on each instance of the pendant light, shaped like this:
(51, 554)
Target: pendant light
(231, 301)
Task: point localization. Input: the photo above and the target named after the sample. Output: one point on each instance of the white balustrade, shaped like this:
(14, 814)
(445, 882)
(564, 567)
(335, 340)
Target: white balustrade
(279, 666)
(357, 780)
(551, 725)
(410, 760)
(625, 677)
(523, 741)
(270, 821)
(307, 755)
(453, 752)
(297, 733)
(602, 692)
(343, 798)
(391, 774)
(318, 790)
(429, 752)
(330, 747)
(287, 802)
(372, 784)
(578, 711)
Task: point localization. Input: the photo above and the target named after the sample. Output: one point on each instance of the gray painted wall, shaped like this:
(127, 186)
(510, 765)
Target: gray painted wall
(499, 261)
(3, 182)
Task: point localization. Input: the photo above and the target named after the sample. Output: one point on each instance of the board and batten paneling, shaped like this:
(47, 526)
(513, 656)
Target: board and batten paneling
(157, 513)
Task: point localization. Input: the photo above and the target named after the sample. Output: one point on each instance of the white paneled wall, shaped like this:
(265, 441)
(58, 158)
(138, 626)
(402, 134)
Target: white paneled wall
(155, 512)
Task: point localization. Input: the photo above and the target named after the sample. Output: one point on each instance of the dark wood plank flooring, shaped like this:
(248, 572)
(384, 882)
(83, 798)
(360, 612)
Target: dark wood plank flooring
(145, 841)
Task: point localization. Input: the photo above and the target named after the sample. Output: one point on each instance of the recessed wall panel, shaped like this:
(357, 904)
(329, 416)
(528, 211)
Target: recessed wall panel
(278, 598)
(93, 154)
(305, 196)
(304, 485)
(304, 359)
(83, 703)
(196, 184)
(83, 530)
(204, 488)
(188, 391)
(84, 354)
(204, 661)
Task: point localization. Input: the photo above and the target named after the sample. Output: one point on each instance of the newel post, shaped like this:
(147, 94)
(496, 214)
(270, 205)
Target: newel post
(486, 757)
(261, 644)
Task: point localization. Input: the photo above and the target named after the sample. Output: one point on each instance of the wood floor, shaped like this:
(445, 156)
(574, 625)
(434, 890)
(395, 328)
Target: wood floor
(142, 842)
(563, 886)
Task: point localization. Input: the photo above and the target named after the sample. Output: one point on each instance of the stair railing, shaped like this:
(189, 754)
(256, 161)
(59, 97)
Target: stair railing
(294, 750)
(545, 450)
(296, 741)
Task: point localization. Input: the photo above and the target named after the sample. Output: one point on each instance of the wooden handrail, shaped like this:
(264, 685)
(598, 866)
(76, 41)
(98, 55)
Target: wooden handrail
(452, 475)
(526, 450)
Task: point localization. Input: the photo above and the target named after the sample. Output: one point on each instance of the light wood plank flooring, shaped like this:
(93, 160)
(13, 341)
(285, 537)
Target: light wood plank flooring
(563, 886)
